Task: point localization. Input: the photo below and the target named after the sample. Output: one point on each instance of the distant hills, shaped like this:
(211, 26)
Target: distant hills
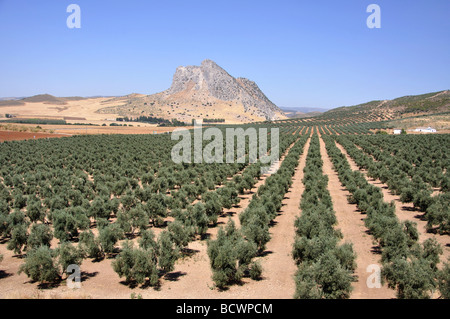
(209, 92)
(429, 103)
(302, 112)
(11, 98)
(41, 98)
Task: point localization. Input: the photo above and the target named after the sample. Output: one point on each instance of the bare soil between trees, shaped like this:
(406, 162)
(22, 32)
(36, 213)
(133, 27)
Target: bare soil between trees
(351, 223)
(405, 211)
(191, 278)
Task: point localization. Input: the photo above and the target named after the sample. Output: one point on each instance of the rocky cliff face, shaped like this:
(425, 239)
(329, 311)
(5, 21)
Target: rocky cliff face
(210, 80)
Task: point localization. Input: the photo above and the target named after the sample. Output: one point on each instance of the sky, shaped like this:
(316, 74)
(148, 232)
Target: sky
(300, 53)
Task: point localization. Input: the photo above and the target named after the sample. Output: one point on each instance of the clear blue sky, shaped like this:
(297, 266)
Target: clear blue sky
(301, 53)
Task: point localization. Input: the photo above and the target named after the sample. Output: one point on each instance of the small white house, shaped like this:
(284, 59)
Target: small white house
(397, 132)
(425, 130)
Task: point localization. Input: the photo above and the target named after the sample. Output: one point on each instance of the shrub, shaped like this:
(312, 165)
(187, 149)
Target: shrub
(255, 270)
(147, 239)
(108, 237)
(68, 255)
(199, 218)
(64, 225)
(323, 279)
(40, 235)
(213, 206)
(444, 281)
(40, 266)
(19, 237)
(180, 234)
(35, 211)
(90, 245)
(124, 262)
(229, 255)
(413, 279)
(167, 252)
(256, 230)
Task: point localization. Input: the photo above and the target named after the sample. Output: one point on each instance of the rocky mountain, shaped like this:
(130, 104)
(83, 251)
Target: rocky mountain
(210, 80)
(205, 91)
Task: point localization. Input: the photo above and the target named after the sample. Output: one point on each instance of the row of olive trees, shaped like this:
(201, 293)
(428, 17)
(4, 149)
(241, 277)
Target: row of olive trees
(60, 189)
(83, 176)
(411, 179)
(266, 203)
(232, 252)
(41, 197)
(152, 259)
(325, 267)
(408, 266)
(196, 217)
(428, 155)
(141, 264)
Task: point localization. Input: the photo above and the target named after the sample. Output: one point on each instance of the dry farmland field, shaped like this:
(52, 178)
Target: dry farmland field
(344, 204)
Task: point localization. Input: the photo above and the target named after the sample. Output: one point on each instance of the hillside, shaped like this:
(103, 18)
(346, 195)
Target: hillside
(405, 106)
(205, 91)
(431, 109)
(40, 98)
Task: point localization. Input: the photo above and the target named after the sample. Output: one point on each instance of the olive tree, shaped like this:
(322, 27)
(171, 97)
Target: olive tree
(167, 252)
(40, 266)
(40, 235)
(68, 254)
(18, 240)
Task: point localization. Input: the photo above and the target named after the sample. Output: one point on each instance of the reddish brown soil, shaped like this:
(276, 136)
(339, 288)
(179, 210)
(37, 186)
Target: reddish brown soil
(19, 136)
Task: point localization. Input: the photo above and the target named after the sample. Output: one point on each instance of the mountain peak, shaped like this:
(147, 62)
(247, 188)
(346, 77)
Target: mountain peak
(208, 63)
(210, 80)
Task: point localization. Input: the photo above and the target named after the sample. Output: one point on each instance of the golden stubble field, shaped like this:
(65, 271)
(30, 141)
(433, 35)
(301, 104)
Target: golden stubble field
(105, 110)
(80, 112)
